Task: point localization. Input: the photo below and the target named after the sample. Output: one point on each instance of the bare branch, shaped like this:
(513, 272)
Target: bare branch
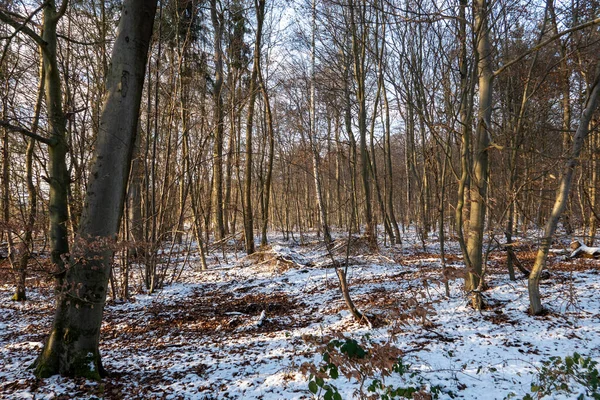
(27, 133)
(5, 17)
(62, 10)
(545, 43)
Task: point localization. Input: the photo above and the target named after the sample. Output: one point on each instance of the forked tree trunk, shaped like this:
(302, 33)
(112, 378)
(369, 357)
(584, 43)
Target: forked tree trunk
(466, 112)
(562, 195)
(72, 346)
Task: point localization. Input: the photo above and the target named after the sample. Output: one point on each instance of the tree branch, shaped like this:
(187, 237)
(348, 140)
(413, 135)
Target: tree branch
(28, 133)
(62, 10)
(22, 27)
(545, 43)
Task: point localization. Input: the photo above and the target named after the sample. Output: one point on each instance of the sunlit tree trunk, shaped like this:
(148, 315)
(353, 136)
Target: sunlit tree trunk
(562, 195)
(479, 183)
(465, 113)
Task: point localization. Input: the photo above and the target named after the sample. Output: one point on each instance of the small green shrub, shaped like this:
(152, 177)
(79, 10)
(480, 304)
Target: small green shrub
(557, 375)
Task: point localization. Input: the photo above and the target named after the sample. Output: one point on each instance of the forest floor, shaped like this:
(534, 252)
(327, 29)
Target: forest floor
(251, 327)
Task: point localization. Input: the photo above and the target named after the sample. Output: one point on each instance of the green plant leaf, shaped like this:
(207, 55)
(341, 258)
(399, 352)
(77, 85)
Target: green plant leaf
(312, 386)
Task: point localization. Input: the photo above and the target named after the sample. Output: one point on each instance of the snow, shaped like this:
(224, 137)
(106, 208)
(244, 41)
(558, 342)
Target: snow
(591, 251)
(239, 330)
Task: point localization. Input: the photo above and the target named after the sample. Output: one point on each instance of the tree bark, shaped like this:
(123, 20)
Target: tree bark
(480, 162)
(248, 219)
(562, 195)
(72, 346)
(312, 136)
(217, 22)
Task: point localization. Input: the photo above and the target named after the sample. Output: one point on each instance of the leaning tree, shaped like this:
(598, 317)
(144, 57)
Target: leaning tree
(72, 346)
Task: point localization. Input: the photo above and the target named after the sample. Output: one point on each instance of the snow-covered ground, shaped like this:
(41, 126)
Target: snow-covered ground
(241, 329)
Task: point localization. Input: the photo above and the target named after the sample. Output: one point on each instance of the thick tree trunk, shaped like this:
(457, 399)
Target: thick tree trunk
(72, 347)
(562, 195)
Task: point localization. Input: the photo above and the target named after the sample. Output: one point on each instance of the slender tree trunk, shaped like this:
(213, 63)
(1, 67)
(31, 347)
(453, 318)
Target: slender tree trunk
(270, 158)
(313, 136)
(480, 163)
(593, 220)
(248, 219)
(352, 159)
(562, 195)
(359, 45)
(59, 175)
(6, 209)
(565, 74)
(217, 22)
(389, 175)
(27, 244)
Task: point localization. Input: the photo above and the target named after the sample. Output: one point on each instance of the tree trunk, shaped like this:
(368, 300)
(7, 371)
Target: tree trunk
(562, 195)
(270, 159)
(72, 346)
(466, 112)
(59, 175)
(480, 163)
(27, 244)
(593, 184)
(312, 136)
(248, 219)
(217, 22)
(359, 45)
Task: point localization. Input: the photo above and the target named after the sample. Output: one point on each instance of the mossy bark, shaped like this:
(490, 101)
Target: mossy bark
(72, 347)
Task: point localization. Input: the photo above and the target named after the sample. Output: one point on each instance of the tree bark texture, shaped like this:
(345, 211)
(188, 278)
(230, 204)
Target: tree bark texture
(72, 346)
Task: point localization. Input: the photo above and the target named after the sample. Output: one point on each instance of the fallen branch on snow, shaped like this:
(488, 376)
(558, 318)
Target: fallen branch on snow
(581, 250)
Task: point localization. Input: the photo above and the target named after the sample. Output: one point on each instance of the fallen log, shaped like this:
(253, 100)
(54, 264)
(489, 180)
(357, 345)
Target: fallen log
(581, 250)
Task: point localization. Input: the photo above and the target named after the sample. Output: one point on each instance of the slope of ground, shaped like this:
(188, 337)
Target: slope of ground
(240, 330)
